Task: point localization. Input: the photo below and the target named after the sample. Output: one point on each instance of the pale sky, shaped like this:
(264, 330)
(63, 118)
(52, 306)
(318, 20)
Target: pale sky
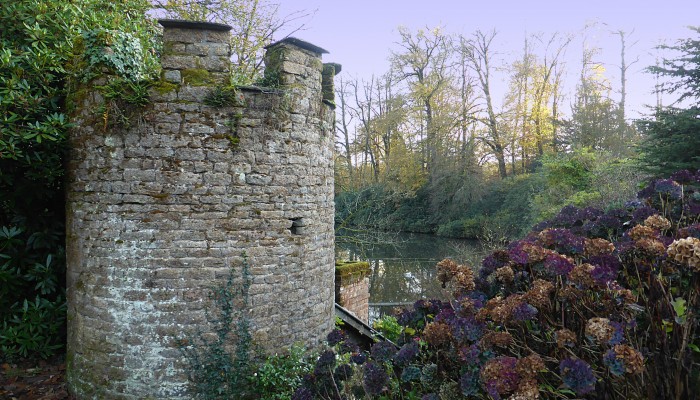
(359, 34)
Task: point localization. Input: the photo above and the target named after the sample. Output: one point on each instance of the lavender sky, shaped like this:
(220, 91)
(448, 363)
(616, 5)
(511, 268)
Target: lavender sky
(359, 34)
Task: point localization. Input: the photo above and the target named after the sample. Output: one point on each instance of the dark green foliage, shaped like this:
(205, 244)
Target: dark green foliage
(32, 294)
(39, 60)
(672, 140)
(673, 135)
(278, 376)
(684, 69)
(214, 371)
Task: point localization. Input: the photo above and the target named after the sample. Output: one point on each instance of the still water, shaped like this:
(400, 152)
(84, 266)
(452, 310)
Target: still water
(403, 265)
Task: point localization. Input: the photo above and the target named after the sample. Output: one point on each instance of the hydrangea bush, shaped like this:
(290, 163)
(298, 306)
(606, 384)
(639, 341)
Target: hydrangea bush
(592, 304)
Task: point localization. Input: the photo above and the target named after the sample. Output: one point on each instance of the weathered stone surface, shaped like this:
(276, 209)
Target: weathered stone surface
(161, 212)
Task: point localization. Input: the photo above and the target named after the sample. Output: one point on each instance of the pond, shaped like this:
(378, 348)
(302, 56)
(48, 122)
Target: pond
(403, 265)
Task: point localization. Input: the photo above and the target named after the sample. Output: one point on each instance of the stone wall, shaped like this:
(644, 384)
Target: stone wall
(352, 287)
(162, 207)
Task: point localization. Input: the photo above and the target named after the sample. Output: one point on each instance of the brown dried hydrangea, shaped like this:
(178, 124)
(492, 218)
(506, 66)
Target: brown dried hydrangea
(499, 339)
(686, 251)
(528, 367)
(446, 270)
(488, 308)
(539, 293)
(581, 275)
(651, 246)
(505, 274)
(464, 278)
(527, 390)
(437, 334)
(597, 246)
(493, 372)
(536, 253)
(626, 295)
(657, 222)
(461, 276)
(467, 306)
(569, 293)
(599, 329)
(641, 231)
(632, 359)
(565, 337)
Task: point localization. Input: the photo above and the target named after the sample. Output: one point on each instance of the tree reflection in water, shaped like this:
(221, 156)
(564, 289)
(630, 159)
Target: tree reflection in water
(403, 266)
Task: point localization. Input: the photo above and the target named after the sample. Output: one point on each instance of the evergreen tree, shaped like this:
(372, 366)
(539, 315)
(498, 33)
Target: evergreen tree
(673, 136)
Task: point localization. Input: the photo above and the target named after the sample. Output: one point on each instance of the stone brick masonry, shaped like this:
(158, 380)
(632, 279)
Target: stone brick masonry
(161, 210)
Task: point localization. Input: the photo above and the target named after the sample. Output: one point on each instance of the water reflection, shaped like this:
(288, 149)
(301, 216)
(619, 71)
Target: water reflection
(403, 265)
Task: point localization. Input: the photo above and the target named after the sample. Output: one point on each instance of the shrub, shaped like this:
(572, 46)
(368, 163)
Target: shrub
(37, 64)
(595, 304)
(278, 376)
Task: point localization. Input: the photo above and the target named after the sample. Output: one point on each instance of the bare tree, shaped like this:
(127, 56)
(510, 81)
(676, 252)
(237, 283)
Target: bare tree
(624, 66)
(477, 52)
(343, 126)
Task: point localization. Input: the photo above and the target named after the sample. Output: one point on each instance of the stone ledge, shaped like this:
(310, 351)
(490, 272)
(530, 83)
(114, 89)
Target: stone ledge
(200, 25)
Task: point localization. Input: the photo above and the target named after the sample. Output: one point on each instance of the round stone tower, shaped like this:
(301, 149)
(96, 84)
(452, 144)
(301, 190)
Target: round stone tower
(171, 200)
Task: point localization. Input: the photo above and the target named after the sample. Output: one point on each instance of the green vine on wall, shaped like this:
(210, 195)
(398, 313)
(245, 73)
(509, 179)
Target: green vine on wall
(215, 372)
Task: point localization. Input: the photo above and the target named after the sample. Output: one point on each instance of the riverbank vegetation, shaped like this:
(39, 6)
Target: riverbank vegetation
(433, 146)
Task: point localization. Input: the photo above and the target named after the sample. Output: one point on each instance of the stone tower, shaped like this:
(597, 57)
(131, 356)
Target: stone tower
(163, 207)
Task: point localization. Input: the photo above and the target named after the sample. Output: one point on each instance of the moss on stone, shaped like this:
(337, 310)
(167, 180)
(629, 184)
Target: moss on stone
(197, 77)
(233, 141)
(163, 87)
(346, 268)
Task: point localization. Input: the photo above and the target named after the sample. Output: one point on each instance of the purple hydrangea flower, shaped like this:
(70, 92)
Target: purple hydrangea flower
(588, 213)
(616, 366)
(524, 312)
(692, 230)
(577, 375)
(326, 360)
(691, 208)
(335, 336)
(470, 355)
(606, 269)
(375, 378)
(358, 358)
(642, 213)
(407, 353)
(567, 216)
(407, 317)
(603, 226)
(618, 335)
(563, 241)
(517, 254)
(669, 188)
(383, 351)
(469, 383)
(446, 315)
(490, 264)
(303, 393)
(558, 265)
(467, 329)
(343, 372)
(683, 177)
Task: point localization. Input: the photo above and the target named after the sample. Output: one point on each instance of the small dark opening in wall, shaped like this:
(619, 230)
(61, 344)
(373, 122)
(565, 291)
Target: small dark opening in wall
(298, 226)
